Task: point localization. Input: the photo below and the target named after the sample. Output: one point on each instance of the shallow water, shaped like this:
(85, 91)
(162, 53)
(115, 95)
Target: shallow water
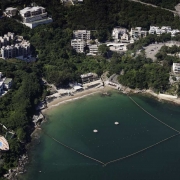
(73, 124)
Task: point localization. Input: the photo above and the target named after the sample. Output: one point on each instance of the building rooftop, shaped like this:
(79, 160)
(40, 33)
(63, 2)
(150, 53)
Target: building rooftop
(31, 9)
(10, 9)
(7, 80)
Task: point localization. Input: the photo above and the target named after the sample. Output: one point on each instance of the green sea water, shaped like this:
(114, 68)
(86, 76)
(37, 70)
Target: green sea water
(73, 124)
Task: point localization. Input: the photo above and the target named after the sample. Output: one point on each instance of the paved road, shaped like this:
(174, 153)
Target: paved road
(148, 4)
(114, 79)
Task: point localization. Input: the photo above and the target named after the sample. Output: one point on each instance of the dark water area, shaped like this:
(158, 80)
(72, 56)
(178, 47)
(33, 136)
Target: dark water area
(73, 124)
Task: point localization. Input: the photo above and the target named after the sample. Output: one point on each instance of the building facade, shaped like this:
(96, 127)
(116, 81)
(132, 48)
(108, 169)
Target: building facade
(10, 11)
(34, 16)
(118, 32)
(78, 45)
(6, 39)
(137, 33)
(22, 49)
(93, 49)
(176, 68)
(81, 34)
(12, 46)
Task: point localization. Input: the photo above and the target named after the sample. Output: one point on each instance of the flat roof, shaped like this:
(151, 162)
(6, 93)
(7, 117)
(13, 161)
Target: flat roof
(77, 87)
(7, 80)
(11, 8)
(23, 11)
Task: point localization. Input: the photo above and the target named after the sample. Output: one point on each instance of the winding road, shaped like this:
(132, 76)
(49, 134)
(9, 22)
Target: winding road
(148, 4)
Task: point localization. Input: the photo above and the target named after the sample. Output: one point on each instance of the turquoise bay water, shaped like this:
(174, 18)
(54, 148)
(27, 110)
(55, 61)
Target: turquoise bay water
(73, 124)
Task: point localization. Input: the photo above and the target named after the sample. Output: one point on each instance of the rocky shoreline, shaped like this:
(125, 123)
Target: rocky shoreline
(20, 169)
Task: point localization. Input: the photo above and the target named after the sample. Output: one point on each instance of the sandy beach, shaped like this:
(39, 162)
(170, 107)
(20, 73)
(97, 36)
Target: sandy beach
(61, 100)
(78, 95)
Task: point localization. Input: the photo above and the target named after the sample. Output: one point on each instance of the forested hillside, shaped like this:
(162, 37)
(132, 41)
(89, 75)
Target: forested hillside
(18, 106)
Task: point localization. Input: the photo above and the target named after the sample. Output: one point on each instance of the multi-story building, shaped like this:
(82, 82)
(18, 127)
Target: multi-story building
(166, 29)
(93, 49)
(137, 33)
(176, 68)
(118, 32)
(10, 11)
(6, 39)
(22, 49)
(34, 16)
(78, 45)
(81, 34)
(12, 46)
(125, 37)
(157, 30)
(154, 29)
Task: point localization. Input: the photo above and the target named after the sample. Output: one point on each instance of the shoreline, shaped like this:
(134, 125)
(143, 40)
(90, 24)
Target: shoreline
(79, 95)
(125, 90)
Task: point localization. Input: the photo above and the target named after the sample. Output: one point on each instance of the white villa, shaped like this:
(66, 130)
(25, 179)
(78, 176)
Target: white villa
(10, 11)
(164, 29)
(34, 16)
(117, 32)
(176, 68)
(137, 33)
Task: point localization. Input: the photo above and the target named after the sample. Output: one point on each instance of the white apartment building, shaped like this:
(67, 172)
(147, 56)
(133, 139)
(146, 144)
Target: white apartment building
(21, 49)
(93, 49)
(176, 68)
(9, 50)
(10, 11)
(34, 16)
(78, 45)
(137, 33)
(117, 32)
(6, 39)
(81, 34)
